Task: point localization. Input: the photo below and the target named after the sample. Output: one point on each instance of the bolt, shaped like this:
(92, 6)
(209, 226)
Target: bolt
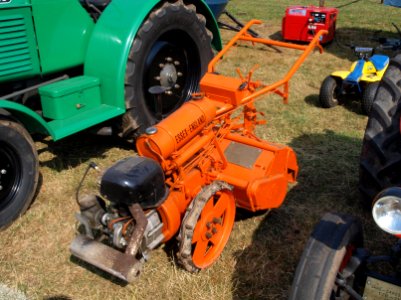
(169, 59)
(208, 225)
(217, 220)
(214, 230)
(208, 235)
(176, 86)
(157, 78)
(179, 74)
(3, 171)
(169, 93)
(161, 66)
(176, 62)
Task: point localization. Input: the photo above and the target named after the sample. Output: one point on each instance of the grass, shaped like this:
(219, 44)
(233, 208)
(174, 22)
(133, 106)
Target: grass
(263, 250)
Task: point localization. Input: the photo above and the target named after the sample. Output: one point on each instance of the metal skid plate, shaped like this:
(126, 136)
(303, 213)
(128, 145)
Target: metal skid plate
(242, 155)
(121, 265)
(378, 289)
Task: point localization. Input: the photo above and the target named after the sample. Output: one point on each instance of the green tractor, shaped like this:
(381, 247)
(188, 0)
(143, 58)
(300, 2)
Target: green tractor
(70, 65)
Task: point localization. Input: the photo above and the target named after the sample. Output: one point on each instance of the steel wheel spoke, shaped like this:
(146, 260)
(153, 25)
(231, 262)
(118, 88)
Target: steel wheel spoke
(208, 208)
(197, 234)
(200, 250)
(220, 206)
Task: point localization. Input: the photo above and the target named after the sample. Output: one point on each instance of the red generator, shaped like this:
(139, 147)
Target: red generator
(301, 23)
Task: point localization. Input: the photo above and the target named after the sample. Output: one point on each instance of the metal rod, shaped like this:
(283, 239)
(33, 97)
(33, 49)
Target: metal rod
(34, 87)
(139, 230)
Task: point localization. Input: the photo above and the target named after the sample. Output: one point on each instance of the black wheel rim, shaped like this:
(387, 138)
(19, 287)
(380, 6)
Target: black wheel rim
(10, 174)
(173, 63)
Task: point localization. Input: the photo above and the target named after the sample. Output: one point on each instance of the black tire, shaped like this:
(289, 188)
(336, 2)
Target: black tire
(380, 159)
(19, 171)
(368, 96)
(329, 90)
(172, 49)
(329, 247)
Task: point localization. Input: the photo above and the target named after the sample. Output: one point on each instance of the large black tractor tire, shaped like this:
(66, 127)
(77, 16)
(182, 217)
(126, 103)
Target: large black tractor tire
(326, 254)
(380, 161)
(172, 49)
(368, 96)
(19, 171)
(329, 92)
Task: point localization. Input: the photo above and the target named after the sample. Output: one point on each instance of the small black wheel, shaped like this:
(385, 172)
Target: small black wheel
(325, 258)
(329, 92)
(368, 96)
(380, 160)
(19, 171)
(172, 49)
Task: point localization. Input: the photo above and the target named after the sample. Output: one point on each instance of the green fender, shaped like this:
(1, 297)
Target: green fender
(31, 120)
(111, 40)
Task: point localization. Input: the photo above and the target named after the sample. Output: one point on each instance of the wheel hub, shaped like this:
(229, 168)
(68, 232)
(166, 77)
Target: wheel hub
(9, 177)
(169, 74)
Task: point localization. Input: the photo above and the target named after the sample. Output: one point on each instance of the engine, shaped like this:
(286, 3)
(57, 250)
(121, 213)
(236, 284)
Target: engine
(131, 181)
(135, 180)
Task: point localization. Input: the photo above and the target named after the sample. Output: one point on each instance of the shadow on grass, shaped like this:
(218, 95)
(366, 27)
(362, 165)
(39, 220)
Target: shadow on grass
(327, 181)
(346, 37)
(79, 148)
(91, 268)
(350, 102)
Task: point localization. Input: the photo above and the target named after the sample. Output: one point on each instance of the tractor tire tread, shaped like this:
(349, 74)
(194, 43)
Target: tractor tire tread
(317, 269)
(15, 133)
(381, 155)
(137, 119)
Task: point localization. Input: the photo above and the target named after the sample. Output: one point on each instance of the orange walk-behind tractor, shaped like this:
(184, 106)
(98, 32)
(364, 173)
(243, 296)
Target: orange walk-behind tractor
(193, 169)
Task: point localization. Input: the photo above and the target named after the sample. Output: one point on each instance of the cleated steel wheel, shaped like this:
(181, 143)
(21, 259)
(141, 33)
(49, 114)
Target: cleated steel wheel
(206, 226)
(19, 171)
(213, 229)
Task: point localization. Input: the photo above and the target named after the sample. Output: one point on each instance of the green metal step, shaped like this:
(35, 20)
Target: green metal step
(84, 120)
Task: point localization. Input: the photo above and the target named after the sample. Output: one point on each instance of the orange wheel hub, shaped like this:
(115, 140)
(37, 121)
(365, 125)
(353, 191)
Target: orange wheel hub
(213, 229)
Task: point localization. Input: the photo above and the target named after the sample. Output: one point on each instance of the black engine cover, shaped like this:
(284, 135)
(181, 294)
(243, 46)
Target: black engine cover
(135, 180)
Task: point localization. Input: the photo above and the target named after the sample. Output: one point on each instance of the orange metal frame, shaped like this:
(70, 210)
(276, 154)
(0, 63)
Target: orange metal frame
(201, 142)
(243, 35)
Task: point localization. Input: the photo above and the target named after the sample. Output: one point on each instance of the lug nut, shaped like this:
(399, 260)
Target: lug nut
(217, 220)
(179, 74)
(176, 62)
(157, 78)
(169, 93)
(176, 86)
(208, 235)
(3, 171)
(169, 59)
(161, 66)
(1, 188)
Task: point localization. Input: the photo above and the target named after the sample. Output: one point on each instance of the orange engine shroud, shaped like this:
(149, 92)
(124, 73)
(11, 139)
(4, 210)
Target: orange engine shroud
(201, 142)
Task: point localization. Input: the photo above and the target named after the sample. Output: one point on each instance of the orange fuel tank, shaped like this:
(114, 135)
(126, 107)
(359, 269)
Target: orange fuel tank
(174, 132)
